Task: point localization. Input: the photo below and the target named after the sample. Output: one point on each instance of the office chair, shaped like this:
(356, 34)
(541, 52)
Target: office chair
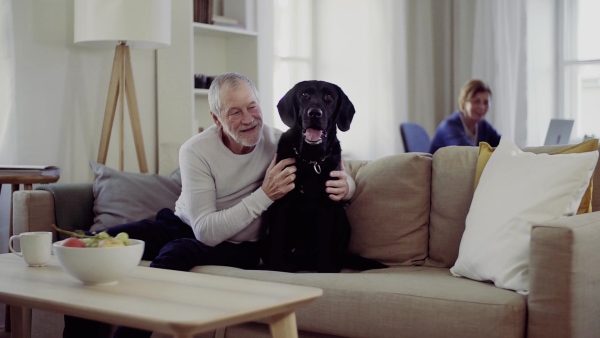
(414, 137)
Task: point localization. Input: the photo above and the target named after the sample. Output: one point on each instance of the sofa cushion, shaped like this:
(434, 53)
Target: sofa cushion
(485, 152)
(122, 197)
(389, 212)
(406, 301)
(453, 173)
(516, 190)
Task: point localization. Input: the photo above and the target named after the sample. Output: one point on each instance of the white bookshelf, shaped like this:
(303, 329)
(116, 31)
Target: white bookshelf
(198, 48)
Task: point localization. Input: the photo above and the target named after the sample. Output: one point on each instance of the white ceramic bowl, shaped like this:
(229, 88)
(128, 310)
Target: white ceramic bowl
(99, 265)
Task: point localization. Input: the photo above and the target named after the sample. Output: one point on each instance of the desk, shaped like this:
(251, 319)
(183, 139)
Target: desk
(172, 302)
(15, 180)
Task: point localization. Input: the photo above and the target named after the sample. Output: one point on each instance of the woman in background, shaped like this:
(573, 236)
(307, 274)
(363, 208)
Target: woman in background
(466, 126)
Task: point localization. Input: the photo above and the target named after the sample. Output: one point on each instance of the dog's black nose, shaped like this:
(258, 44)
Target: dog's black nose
(315, 112)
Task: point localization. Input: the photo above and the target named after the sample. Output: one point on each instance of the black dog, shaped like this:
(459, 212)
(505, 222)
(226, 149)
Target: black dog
(306, 229)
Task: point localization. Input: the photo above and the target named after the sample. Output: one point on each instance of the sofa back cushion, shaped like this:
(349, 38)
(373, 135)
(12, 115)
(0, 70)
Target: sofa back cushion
(389, 212)
(122, 197)
(452, 187)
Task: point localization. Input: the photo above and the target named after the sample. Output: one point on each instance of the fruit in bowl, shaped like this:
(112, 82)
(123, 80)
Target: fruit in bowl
(98, 259)
(98, 240)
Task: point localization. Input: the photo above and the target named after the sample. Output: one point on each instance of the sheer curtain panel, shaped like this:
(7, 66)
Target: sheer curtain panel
(7, 85)
(7, 111)
(499, 58)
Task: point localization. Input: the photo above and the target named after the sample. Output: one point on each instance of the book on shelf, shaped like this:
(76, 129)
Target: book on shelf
(195, 11)
(43, 170)
(220, 20)
(203, 11)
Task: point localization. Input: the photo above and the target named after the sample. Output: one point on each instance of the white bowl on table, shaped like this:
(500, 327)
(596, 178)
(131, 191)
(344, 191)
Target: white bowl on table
(99, 265)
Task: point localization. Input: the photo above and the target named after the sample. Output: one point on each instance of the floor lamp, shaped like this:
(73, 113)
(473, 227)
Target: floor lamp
(122, 24)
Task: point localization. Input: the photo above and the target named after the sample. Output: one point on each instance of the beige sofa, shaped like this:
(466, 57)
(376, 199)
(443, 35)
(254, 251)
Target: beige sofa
(409, 211)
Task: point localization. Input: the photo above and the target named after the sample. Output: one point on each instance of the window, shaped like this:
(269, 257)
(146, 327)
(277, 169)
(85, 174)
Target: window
(293, 46)
(580, 66)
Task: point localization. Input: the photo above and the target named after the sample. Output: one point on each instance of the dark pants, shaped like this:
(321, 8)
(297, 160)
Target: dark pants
(169, 244)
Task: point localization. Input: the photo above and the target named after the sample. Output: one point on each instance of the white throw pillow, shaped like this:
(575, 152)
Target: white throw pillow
(515, 191)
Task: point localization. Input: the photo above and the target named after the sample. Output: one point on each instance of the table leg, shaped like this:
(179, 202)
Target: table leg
(7, 327)
(14, 187)
(7, 319)
(284, 325)
(20, 322)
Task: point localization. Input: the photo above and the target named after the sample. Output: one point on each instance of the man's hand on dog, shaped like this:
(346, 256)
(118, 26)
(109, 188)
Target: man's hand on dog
(338, 188)
(279, 179)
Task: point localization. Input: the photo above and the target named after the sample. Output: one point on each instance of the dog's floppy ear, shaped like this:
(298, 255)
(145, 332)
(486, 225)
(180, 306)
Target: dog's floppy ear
(345, 110)
(287, 107)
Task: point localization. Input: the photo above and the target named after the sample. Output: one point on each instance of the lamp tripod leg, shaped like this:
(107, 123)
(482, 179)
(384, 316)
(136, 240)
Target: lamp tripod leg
(134, 113)
(111, 104)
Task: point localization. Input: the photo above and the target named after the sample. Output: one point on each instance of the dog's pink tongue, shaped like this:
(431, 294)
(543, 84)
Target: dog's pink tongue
(313, 135)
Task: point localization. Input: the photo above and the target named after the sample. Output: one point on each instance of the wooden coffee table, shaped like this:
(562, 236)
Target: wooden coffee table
(172, 302)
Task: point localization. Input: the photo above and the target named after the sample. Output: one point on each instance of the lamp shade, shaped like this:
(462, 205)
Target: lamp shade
(142, 24)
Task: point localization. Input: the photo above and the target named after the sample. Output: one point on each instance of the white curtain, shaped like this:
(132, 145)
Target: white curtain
(7, 112)
(353, 51)
(499, 58)
(7, 85)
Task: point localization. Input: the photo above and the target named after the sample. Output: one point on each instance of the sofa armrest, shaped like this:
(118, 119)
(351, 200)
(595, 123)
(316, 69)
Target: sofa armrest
(564, 298)
(32, 211)
(69, 206)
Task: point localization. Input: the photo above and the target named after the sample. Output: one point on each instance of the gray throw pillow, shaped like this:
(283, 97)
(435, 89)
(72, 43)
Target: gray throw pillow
(122, 197)
(176, 175)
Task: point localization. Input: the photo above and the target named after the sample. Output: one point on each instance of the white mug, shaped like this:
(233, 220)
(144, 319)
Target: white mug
(36, 247)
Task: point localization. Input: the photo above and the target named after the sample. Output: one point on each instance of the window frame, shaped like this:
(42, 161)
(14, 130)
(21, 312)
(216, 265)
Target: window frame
(568, 64)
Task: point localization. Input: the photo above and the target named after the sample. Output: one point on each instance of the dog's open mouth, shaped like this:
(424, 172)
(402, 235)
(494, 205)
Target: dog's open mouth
(314, 136)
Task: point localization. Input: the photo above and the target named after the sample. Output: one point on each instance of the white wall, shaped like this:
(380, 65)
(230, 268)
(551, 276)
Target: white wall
(61, 92)
(62, 89)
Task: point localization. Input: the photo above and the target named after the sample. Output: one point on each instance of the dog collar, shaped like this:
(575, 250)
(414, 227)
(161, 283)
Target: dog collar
(315, 164)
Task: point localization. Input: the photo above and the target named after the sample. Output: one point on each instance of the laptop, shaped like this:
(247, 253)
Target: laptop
(559, 132)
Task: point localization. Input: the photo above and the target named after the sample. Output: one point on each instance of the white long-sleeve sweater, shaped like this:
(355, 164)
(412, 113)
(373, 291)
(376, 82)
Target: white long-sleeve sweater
(221, 197)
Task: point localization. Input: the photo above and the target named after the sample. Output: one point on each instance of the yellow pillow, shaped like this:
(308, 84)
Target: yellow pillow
(485, 151)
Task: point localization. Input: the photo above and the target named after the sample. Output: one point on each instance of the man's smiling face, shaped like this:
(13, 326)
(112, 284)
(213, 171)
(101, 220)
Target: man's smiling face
(240, 118)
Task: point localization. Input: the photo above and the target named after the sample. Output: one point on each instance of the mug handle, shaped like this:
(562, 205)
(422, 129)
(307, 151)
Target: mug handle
(10, 241)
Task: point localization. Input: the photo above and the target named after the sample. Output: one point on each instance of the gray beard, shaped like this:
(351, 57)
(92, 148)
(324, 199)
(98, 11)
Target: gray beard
(242, 141)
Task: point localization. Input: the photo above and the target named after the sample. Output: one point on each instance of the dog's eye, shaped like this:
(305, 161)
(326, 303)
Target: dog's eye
(328, 97)
(305, 96)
